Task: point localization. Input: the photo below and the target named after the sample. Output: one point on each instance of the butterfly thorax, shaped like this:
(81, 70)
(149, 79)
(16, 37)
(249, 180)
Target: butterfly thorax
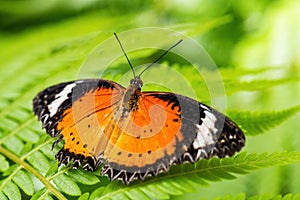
(132, 94)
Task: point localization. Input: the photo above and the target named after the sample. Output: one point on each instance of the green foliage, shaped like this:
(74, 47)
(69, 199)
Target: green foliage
(187, 177)
(38, 57)
(254, 123)
(242, 196)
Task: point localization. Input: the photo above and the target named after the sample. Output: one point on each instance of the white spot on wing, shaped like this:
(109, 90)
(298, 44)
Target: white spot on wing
(60, 98)
(211, 116)
(206, 131)
(204, 107)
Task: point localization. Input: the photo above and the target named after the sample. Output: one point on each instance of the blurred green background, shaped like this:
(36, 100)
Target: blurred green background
(261, 37)
(249, 34)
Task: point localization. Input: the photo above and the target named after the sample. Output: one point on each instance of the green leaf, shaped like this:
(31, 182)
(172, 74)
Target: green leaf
(84, 196)
(163, 185)
(137, 193)
(97, 193)
(258, 122)
(10, 170)
(28, 136)
(277, 197)
(42, 140)
(296, 196)
(4, 165)
(256, 85)
(11, 191)
(2, 196)
(67, 185)
(42, 194)
(52, 169)
(242, 196)
(39, 161)
(152, 190)
(38, 194)
(27, 148)
(83, 177)
(47, 151)
(24, 182)
(14, 144)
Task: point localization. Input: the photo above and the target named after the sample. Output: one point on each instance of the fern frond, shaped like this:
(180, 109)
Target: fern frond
(255, 79)
(256, 85)
(277, 197)
(242, 196)
(254, 123)
(186, 177)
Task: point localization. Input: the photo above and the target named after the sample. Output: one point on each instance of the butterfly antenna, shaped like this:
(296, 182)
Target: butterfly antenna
(162, 55)
(125, 54)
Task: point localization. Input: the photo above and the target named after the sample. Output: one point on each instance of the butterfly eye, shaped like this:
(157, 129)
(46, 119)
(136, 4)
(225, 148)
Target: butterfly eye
(136, 82)
(140, 83)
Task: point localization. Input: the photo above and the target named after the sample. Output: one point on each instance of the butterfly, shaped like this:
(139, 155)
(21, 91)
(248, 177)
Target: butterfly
(130, 133)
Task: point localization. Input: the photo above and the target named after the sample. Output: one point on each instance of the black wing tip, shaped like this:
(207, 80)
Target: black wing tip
(231, 140)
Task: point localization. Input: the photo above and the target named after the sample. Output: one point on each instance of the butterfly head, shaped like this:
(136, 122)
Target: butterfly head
(136, 82)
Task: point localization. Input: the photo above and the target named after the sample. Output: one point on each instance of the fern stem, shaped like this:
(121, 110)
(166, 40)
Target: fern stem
(60, 172)
(36, 149)
(21, 162)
